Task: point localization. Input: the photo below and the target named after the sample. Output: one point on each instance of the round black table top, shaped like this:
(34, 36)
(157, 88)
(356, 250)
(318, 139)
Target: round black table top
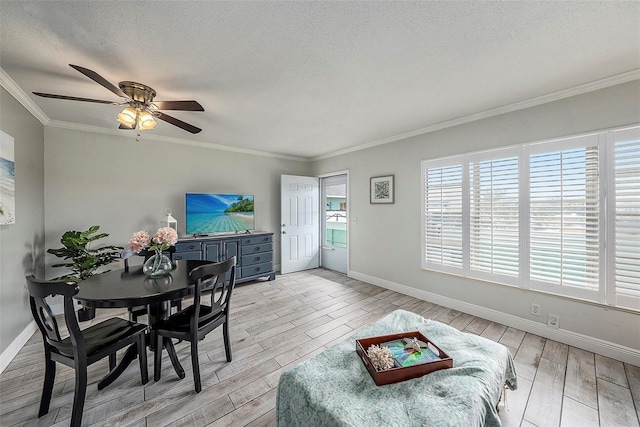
(120, 288)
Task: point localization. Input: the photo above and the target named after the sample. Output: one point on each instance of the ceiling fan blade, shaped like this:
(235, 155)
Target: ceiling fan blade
(99, 79)
(176, 122)
(179, 105)
(74, 98)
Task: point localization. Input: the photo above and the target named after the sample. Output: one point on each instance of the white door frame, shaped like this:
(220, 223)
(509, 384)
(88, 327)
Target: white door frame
(322, 209)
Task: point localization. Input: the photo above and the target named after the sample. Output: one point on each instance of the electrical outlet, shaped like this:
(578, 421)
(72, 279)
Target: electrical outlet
(535, 309)
(553, 321)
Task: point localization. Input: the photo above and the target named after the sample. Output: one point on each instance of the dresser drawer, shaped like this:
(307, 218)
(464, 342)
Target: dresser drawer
(188, 246)
(258, 258)
(187, 255)
(254, 249)
(256, 269)
(257, 240)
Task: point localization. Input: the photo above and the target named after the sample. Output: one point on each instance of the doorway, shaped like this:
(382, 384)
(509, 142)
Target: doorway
(334, 222)
(299, 223)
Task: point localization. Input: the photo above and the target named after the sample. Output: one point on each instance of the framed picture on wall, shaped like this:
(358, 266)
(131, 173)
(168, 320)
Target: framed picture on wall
(7, 180)
(382, 189)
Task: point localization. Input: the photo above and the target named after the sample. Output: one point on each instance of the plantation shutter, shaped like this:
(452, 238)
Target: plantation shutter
(494, 218)
(627, 217)
(564, 217)
(443, 216)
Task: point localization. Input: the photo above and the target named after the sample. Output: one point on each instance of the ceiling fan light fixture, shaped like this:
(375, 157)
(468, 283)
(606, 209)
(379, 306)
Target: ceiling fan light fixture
(141, 112)
(146, 121)
(128, 116)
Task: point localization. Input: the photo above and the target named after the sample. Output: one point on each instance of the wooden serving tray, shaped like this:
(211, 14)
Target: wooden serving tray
(398, 374)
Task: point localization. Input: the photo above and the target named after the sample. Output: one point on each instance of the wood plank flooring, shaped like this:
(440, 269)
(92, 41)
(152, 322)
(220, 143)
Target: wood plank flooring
(280, 323)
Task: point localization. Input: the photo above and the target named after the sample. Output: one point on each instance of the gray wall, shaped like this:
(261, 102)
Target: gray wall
(385, 240)
(22, 243)
(124, 186)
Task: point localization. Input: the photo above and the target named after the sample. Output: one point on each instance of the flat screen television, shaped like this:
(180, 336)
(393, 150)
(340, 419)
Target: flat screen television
(208, 213)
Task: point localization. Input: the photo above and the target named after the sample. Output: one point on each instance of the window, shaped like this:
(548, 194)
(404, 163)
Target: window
(625, 205)
(538, 216)
(443, 216)
(494, 216)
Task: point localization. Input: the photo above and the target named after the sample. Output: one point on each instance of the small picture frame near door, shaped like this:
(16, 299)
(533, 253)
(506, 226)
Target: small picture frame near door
(382, 189)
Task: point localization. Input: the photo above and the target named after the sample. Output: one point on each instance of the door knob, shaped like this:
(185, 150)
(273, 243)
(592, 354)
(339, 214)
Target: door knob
(284, 232)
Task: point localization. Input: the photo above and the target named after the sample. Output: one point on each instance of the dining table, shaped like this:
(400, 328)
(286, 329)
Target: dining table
(130, 287)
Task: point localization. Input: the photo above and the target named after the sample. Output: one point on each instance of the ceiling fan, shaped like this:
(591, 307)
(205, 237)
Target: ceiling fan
(141, 110)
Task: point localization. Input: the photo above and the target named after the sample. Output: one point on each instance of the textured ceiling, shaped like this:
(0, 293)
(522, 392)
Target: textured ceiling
(308, 79)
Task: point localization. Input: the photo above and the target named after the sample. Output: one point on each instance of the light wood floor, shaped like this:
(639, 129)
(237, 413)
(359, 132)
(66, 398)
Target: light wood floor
(280, 323)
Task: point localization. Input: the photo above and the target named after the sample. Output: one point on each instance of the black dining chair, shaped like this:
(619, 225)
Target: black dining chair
(82, 347)
(196, 321)
(135, 312)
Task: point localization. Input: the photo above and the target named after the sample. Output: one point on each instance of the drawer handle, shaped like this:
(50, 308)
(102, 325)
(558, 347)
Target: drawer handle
(257, 268)
(257, 258)
(191, 246)
(178, 257)
(257, 249)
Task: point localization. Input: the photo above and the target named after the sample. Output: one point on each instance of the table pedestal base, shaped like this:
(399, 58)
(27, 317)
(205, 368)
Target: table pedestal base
(129, 356)
(156, 312)
(161, 311)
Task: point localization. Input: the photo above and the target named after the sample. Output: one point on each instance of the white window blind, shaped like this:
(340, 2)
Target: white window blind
(494, 218)
(564, 217)
(559, 216)
(443, 216)
(627, 216)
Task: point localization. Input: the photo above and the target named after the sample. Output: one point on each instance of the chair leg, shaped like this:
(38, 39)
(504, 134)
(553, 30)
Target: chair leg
(47, 388)
(173, 357)
(112, 361)
(157, 357)
(142, 357)
(195, 364)
(79, 393)
(227, 343)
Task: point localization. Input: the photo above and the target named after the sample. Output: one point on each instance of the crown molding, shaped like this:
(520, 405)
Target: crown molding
(15, 91)
(150, 136)
(11, 87)
(544, 99)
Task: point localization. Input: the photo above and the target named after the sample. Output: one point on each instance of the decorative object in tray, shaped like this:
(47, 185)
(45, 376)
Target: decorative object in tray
(399, 357)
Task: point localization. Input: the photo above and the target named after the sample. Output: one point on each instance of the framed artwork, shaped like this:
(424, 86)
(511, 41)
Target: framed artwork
(7, 180)
(382, 189)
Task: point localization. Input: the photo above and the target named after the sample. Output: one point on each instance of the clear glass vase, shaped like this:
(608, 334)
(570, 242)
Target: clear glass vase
(158, 265)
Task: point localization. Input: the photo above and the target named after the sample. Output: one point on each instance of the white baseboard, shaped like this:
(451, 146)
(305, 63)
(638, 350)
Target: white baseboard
(14, 348)
(594, 345)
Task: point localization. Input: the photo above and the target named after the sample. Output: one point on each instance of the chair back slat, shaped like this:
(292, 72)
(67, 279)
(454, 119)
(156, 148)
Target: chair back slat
(39, 290)
(204, 276)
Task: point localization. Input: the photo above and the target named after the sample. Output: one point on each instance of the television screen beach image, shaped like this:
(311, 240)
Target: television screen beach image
(218, 213)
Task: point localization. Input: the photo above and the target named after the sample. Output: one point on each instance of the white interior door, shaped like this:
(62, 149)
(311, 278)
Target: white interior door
(333, 191)
(299, 226)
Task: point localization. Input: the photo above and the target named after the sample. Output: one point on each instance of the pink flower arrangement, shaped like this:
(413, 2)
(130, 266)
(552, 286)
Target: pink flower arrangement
(139, 241)
(162, 240)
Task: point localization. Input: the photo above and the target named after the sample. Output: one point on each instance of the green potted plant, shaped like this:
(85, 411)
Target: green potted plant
(82, 260)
